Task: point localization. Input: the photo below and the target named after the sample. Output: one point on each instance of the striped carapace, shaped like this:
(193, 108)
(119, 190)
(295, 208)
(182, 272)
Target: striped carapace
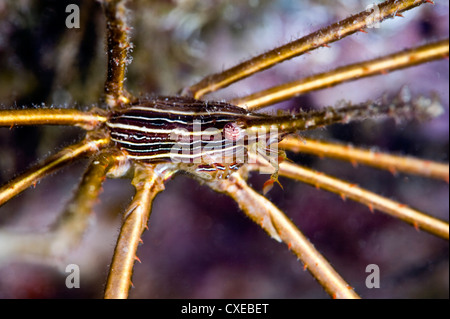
(213, 137)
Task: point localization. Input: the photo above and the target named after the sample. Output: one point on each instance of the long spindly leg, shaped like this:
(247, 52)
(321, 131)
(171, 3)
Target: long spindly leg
(393, 163)
(86, 120)
(396, 61)
(295, 48)
(63, 157)
(279, 227)
(67, 231)
(372, 200)
(148, 183)
(403, 106)
(118, 44)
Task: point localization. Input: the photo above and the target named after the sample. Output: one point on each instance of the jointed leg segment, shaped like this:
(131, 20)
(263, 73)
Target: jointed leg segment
(352, 72)
(372, 200)
(148, 184)
(310, 42)
(393, 163)
(277, 225)
(62, 158)
(67, 232)
(86, 120)
(118, 50)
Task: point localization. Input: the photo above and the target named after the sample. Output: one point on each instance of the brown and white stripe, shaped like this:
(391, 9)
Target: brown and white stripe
(178, 129)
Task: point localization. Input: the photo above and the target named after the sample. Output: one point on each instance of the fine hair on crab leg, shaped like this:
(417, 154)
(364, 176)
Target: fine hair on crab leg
(75, 218)
(67, 232)
(393, 163)
(401, 107)
(295, 48)
(396, 61)
(373, 201)
(85, 120)
(119, 47)
(53, 163)
(278, 226)
(148, 183)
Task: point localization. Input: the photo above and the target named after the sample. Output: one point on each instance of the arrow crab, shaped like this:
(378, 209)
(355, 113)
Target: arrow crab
(205, 256)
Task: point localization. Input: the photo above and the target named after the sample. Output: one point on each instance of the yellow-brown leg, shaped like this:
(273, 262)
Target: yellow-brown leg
(295, 48)
(393, 163)
(67, 231)
(148, 184)
(62, 158)
(372, 200)
(86, 120)
(279, 227)
(118, 44)
(400, 60)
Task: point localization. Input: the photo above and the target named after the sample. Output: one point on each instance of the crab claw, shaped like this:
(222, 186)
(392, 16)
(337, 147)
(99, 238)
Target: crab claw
(268, 185)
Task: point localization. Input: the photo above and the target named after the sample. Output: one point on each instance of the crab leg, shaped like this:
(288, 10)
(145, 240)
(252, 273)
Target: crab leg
(68, 230)
(372, 200)
(74, 220)
(279, 227)
(402, 107)
(335, 32)
(86, 120)
(119, 46)
(380, 160)
(347, 73)
(63, 157)
(148, 184)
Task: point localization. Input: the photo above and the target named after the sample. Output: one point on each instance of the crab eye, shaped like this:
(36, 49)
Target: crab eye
(232, 131)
